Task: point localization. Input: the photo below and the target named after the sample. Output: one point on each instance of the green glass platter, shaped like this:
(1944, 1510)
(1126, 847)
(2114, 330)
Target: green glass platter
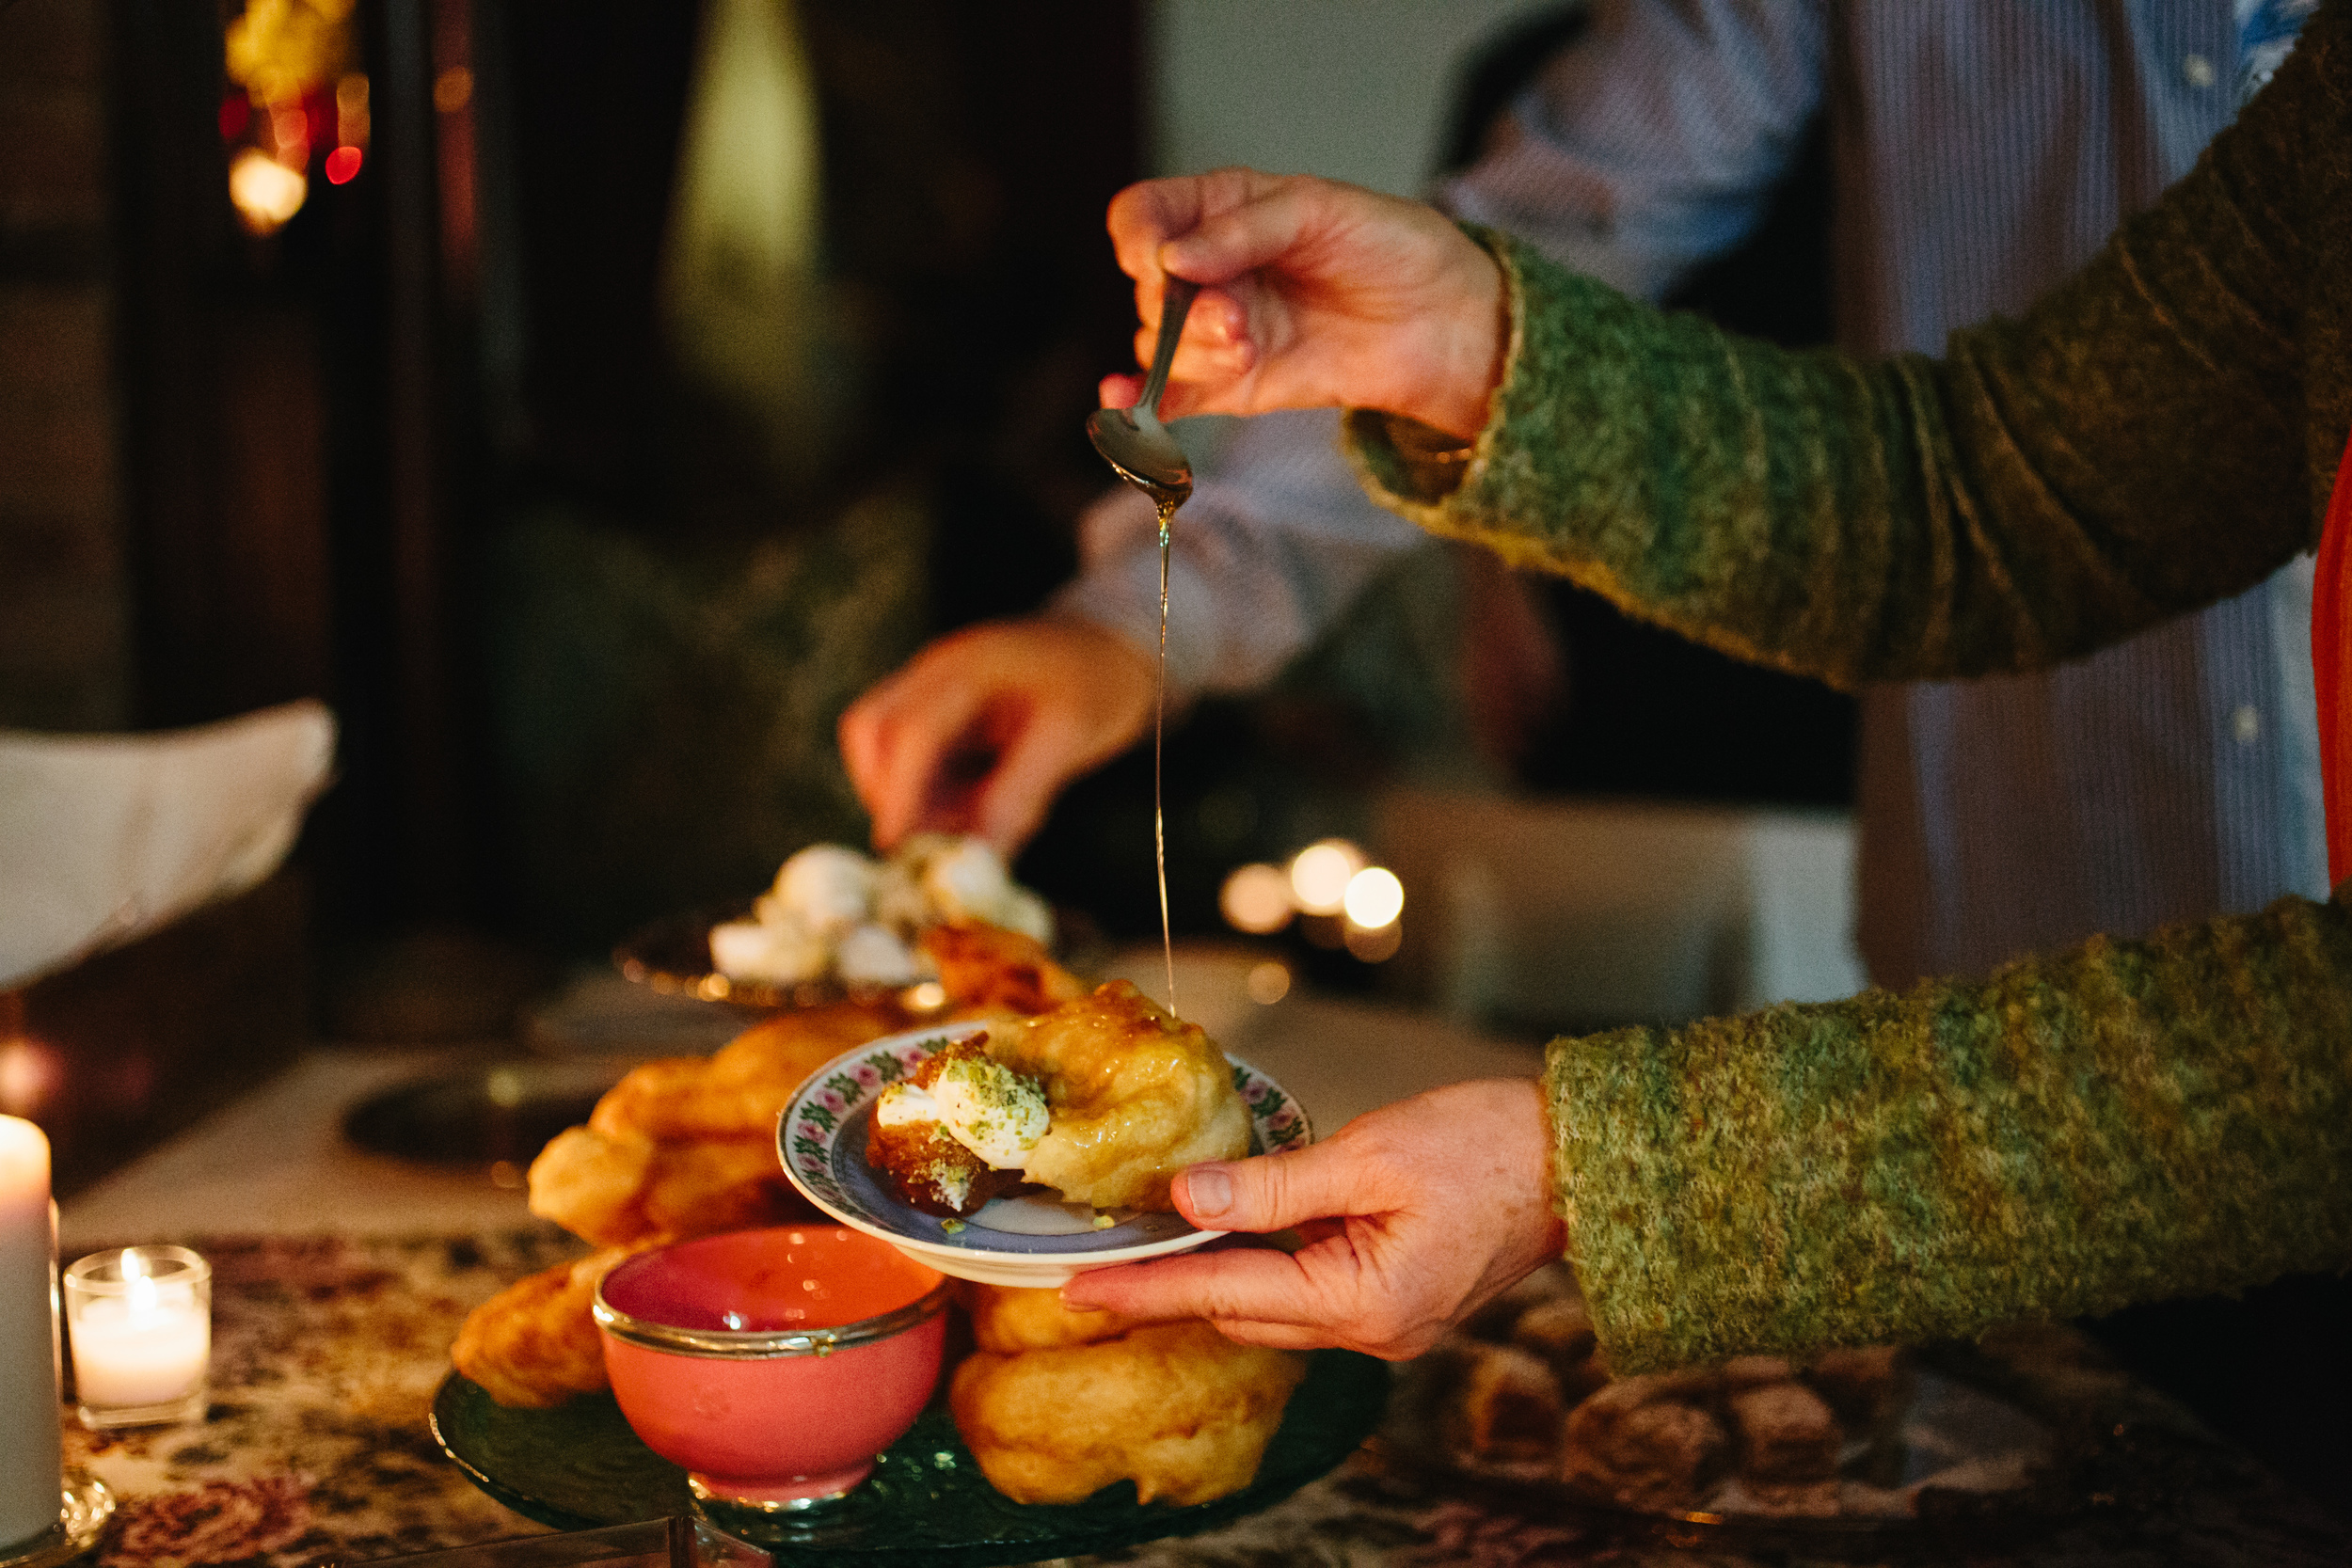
(578, 1466)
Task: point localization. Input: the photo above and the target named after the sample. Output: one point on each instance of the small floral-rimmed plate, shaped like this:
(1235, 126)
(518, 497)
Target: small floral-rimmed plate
(1026, 1240)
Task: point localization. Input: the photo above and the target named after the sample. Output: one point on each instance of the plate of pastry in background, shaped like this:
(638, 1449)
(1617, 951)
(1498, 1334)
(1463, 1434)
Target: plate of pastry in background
(837, 923)
(1858, 1447)
(1019, 1152)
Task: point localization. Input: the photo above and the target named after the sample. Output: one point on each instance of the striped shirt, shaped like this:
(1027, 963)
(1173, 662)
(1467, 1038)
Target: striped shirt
(1981, 150)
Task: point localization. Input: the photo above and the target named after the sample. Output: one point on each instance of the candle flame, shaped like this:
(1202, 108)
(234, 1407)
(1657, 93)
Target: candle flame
(142, 1291)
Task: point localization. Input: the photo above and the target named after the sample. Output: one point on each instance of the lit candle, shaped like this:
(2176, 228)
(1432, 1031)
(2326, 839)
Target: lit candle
(32, 1484)
(140, 1324)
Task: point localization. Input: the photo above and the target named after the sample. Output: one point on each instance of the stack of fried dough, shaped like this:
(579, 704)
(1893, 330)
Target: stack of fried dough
(1057, 1403)
(685, 1148)
(1054, 1404)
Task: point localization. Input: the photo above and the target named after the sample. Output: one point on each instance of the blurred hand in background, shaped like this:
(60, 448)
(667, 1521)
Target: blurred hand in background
(980, 731)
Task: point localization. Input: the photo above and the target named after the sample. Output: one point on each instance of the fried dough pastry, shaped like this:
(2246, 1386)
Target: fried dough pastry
(535, 1345)
(698, 1189)
(685, 1148)
(1008, 1319)
(1177, 1408)
(987, 971)
(1137, 1096)
(622, 1191)
(588, 1182)
(739, 1090)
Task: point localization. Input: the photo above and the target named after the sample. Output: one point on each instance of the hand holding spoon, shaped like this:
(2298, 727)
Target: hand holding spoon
(1133, 440)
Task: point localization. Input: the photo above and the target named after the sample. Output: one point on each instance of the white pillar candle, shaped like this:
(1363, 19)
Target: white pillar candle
(32, 1484)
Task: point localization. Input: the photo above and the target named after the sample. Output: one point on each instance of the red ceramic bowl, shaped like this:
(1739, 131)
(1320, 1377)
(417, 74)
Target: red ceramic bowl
(773, 1365)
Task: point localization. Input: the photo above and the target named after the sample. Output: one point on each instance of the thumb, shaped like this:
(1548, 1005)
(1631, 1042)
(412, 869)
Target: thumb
(1275, 1192)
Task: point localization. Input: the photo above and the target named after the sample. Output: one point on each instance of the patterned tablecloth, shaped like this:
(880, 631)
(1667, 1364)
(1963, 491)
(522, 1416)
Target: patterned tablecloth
(326, 1353)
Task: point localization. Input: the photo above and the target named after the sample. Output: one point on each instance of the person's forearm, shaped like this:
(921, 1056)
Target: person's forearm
(2124, 1122)
(2054, 484)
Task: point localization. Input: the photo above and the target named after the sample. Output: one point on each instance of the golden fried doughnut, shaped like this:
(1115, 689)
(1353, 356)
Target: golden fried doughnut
(615, 1191)
(661, 1098)
(740, 1091)
(986, 969)
(535, 1345)
(1137, 1096)
(1177, 1408)
(1007, 1319)
(589, 1183)
(697, 1189)
(795, 1044)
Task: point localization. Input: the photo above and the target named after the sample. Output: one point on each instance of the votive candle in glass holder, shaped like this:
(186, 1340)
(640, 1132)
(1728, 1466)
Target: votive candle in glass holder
(140, 1323)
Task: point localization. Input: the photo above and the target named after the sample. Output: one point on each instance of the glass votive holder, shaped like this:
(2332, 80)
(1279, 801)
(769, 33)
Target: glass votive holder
(139, 1320)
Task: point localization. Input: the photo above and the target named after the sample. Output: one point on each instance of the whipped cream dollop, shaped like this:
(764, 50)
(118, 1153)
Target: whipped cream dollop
(998, 1113)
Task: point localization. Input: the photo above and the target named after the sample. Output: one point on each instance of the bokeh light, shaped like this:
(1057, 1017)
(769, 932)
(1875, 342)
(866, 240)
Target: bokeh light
(1320, 873)
(1256, 898)
(342, 165)
(1377, 944)
(290, 128)
(29, 1075)
(1268, 983)
(1374, 898)
(453, 90)
(265, 191)
(354, 120)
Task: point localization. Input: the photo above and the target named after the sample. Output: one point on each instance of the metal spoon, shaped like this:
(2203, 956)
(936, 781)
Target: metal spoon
(1133, 440)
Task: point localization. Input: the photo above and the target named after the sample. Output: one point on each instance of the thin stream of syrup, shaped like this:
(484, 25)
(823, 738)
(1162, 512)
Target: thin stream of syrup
(1167, 502)
(1166, 495)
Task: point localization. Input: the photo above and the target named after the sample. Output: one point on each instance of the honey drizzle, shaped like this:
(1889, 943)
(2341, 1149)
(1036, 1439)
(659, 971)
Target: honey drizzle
(1167, 502)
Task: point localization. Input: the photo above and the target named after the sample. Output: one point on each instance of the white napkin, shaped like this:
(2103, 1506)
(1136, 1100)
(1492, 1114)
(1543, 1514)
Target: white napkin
(104, 838)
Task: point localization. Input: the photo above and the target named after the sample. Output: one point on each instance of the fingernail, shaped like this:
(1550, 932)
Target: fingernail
(1208, 1191)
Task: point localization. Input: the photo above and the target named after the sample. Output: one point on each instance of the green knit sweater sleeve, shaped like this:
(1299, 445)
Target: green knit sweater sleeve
(2125, 1121)
(2050, 485)
(2128, 1120)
